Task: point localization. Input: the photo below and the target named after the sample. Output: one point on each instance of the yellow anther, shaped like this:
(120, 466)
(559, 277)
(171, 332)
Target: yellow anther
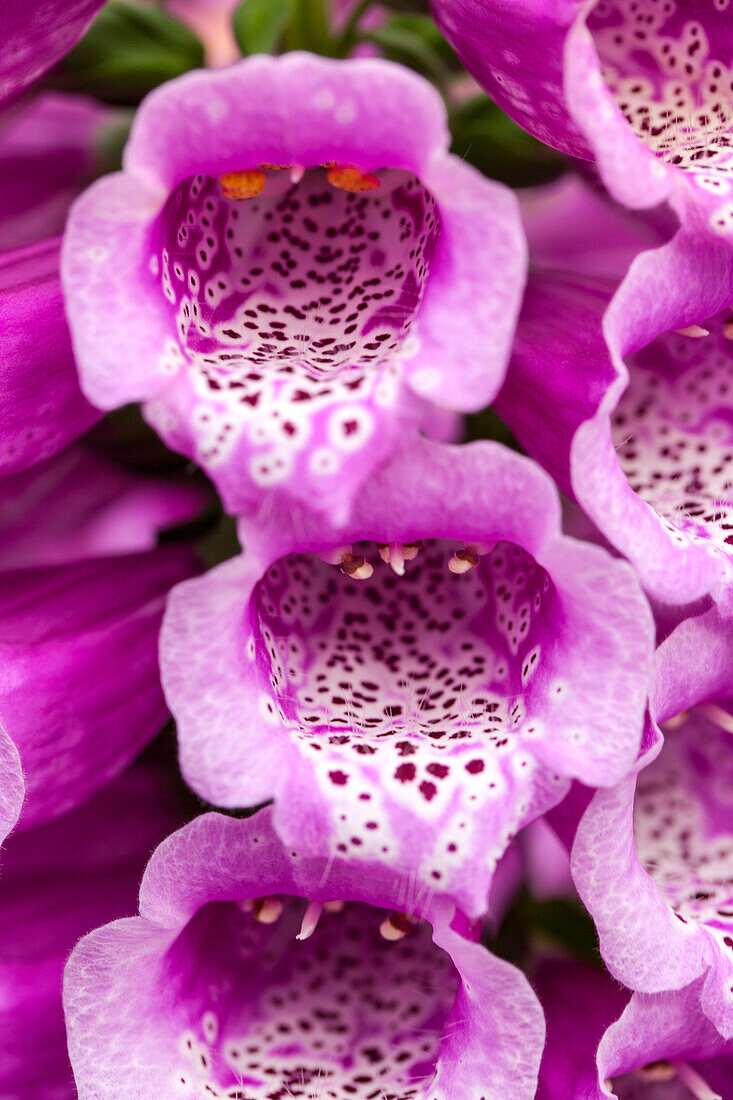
(264, 910)
(276, 167)
(728, 328)
(242, 185)
(463, 560)
(358, 568)
(347, 177)
(333, 906)
(396, 926)
(657, 1071)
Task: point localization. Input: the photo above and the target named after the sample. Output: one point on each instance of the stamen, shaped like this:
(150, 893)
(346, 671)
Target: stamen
(335, 556)
(276, 167)
(334, 906)
(717, 715)
(357, 567)
(463, 560)
(264, 910)
(677, 721)
(699, 1088)
(347, 177)
(657, 1071)
(310, 920)
(242, 185)
(397, 553)
(396, 926)
(297, 172)
(695, 331)
(728, 328)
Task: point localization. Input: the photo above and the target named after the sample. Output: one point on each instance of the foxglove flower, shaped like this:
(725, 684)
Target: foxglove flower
(43, 409)
(82, 590)
(643, 87)
(290, 271)
(622, 396)
(661, 1048)
(653, 857)
(12, 787)
(58, 882)
(211, 991)
(35, 35)
(419, 714)
(50, 150)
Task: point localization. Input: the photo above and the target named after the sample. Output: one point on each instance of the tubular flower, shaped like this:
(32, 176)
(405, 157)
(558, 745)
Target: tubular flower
(418, 700)
(35, 35)
(254, 973)
(643, 87)
(661, 1048)
(289, 275)
(653, 857)
(640, 392)
(82, 585)
(58, 882)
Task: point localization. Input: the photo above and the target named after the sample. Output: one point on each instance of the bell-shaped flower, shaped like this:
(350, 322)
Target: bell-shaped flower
(58, 882)
(291, 272)
(417, 684)
(653, 857)
(602, 1044)
(619, 392)
(35, 35)
(82, 592)
(642, 87)
(256, 973)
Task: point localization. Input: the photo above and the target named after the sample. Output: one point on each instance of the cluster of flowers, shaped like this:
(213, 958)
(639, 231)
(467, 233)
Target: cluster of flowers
(420, 650)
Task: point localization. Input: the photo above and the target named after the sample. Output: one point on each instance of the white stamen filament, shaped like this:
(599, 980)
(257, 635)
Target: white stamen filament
(333, 906)
(728, 328)
(699, 1088)
(296, 173)
(397, 553)
(311, 918)
(695, 331)
(677, 721)
(717, 715)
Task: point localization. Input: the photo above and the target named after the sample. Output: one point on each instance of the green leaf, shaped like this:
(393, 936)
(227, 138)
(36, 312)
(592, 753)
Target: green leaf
(487, 138)
(127, 52)
(259, 24)
(309, 27)
(412, 40)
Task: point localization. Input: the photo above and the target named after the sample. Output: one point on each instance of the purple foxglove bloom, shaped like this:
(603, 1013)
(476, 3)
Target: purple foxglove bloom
(12, 787)
(661, 1048)
(642, 87)
(212, 991)
(620, 394)
(35, 35)
(80, 504)
(50, 150)
(290, 271)
(80, 693)
(58, 882)
(653, 857)
(418, 714)
(43, 408)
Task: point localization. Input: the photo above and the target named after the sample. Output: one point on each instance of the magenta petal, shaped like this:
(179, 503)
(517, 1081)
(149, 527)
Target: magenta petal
(200, 992)
(79, 687)
(35, 35)
(12, 787)
(59, 881)
(43, 407)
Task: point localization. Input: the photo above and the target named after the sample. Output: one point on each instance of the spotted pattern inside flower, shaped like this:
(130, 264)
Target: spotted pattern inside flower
(676, 94)
(673, 432)
(344, 1015)
(420, 693)
(682, 824)
(295, 304)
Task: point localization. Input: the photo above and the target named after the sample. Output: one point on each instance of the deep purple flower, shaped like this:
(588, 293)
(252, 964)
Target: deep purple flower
(291, 271)
(621, 395)
(82, 591)
(211, 991)
(653, 857)
(58, 882)
(35, 35)
(643, 87)
(43, 408)
(418, 715)
(661, 1048)
(50, 150)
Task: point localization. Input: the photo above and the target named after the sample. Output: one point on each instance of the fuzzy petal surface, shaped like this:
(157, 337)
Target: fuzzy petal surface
(35, 35)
